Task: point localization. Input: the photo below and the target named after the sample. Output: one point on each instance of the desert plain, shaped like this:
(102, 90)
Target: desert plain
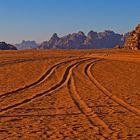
(70, 95)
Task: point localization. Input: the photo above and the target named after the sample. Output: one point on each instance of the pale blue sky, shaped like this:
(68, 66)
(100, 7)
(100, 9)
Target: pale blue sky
(39, 19)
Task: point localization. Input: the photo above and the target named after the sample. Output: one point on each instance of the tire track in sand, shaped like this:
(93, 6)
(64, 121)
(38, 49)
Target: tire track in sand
(39, 115)
(57, 86)
(108, 93)
(88, 112)
(17, 61)
(45, 76)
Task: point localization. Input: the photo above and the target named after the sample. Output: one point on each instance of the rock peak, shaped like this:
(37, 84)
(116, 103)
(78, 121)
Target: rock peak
(54, 36)
(81, 33)
(92, 34)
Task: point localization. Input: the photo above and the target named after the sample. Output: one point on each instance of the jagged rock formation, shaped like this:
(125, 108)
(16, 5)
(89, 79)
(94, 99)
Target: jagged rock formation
(133, 39)
(5, 46)
(107, 39)
(25, 45)
(51, 43)
(70, 41)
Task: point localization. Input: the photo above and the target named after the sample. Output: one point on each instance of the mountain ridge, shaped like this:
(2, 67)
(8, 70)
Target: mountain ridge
(106, 39)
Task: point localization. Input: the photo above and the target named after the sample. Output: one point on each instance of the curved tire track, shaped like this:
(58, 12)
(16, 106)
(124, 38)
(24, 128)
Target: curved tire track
(109, 94)
(39, 115)
(88, 112)
(57, 86)
(45, 76)
(16, 61)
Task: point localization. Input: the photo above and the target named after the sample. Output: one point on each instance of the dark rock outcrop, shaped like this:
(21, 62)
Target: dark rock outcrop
(133, 39)
(25, 45)
(5, 46)
(118, 47)
(107, 39)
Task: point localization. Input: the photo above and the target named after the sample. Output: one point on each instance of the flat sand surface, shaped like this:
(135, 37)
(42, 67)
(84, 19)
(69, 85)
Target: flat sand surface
(70, 95)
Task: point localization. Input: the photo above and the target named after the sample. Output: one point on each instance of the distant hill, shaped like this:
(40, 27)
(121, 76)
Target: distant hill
(5, 46)
(25, 45)
(133, 39)
(106, 39)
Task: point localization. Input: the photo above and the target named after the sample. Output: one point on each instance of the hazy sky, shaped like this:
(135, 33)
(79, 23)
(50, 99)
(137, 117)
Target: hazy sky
(39, 19)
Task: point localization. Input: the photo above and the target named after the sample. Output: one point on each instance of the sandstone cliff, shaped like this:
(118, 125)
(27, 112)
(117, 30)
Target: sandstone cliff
(133, 39)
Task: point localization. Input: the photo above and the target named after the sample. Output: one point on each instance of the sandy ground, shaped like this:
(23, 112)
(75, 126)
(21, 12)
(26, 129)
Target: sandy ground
(70, 95)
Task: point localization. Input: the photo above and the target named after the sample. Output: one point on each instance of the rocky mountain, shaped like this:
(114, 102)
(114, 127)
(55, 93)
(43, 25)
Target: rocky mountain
(5, 46)
(107, 39)
(25, 45)
(133, 39)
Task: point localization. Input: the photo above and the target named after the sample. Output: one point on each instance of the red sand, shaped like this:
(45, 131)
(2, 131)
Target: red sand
(86, 95)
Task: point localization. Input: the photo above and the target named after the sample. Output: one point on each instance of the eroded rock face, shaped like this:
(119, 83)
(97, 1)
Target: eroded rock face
(133, 39)
(5, 46)
(107, 39)
(51, 43)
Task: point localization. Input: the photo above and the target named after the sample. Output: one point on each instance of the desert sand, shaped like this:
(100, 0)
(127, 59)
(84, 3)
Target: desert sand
(70, 95)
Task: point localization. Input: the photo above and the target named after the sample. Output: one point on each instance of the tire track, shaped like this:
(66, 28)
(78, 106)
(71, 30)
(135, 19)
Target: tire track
(52, 89)
(16, 61)
(45, 76)
(108, 93)
(39, 115)
(88, 112)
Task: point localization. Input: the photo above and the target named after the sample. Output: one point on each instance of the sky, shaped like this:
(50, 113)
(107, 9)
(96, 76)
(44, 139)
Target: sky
(39, 19)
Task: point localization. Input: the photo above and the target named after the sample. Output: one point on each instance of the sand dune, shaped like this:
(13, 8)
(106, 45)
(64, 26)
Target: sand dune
(92, 94)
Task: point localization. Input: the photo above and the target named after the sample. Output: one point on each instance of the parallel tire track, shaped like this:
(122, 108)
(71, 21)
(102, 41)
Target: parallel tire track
(108, 93)
(16, 61)
(57, 86)
(39, 115)
(88, 112)
(45, 76)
